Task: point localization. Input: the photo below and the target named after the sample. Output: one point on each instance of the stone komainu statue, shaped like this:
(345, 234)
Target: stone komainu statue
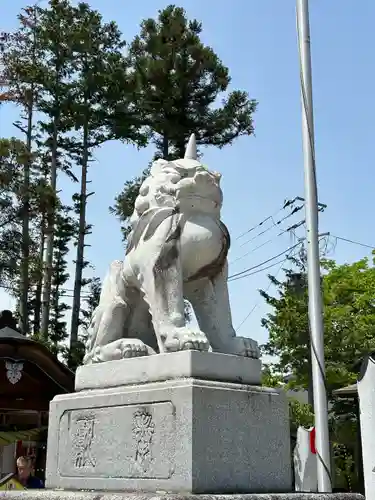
(177, 248)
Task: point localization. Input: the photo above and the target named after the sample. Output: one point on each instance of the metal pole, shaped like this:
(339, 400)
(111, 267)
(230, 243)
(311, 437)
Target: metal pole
(313, 262)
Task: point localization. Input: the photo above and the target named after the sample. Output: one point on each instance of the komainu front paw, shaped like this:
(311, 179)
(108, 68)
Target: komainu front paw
(184, 339)
(133, 348)
(243, 346)
(120, 349)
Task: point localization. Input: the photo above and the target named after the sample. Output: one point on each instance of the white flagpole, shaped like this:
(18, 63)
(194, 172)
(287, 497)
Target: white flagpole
(313, 261)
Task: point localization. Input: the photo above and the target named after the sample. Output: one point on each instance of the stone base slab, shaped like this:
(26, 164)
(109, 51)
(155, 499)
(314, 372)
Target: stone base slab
(81, 495)
(170, 366)
(190, 436)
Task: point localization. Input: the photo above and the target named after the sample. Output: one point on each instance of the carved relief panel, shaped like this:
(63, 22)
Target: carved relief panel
(118, 441)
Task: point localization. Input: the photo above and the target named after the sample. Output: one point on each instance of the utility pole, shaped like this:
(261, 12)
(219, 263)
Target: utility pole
(313, 261)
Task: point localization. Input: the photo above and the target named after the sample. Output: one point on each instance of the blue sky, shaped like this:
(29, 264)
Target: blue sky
(256, 39)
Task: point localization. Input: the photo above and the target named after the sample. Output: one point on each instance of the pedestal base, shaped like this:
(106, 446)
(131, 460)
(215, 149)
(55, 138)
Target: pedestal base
(179, 436)
(81, 495)
(170, 366)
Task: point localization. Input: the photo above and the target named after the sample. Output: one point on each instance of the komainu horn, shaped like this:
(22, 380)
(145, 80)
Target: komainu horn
(177, 249)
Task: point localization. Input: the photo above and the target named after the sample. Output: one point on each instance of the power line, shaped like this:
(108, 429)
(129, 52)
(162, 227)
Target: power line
(62, 290)
(288, 229)
(245, 273)
(286, 204)
(372, 247)
(274, 224)
(257, 303)
(251, 251)
(266, 261)
(281, 261)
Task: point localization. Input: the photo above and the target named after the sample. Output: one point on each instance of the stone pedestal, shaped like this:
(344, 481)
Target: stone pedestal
(184, 435)
(84, 495)
(171, 366)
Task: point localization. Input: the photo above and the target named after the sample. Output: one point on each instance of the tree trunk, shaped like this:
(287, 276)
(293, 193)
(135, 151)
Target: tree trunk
(55, 302)
(39, 285)
(50, 231)
(25, 246)
(80, 243)
(180, 149)
(165, 147)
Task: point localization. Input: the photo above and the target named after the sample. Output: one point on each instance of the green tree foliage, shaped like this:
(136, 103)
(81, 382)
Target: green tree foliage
(91, 302)
(178, 85)
(100, 107)
(271, 379)
(66, 66)
(178, 81)
(12, 158)
(300, 413)
(55, 37)
(348, 292)
(124, 202)
(64, 232)
(349, 321)
(19, 67)
(76, 351)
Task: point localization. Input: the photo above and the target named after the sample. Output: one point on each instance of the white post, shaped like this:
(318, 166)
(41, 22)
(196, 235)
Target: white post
(313, 262)
(366, 393)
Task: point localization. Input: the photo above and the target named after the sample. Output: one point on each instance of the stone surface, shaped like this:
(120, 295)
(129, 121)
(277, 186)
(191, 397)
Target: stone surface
(177, 249)
(177, 436)
(366, 393)
(176, 365)
(81, 495)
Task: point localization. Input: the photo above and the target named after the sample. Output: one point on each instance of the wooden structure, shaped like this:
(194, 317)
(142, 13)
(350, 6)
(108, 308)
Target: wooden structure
(30, 377)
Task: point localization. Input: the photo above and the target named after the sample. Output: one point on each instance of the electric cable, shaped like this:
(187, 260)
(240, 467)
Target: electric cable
(274, 224)
(257, 271)
(286, 204)
(347, 240)
(257, 303)
(266, 261)
(288, 229)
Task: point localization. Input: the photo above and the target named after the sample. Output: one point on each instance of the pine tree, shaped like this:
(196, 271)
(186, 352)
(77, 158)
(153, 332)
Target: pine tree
(45, 198)
(54, 34)
(20, 57)
(64, 232)
(91, 302)
(77, 350)
(13, 155)
(178, 81)
(100, 107)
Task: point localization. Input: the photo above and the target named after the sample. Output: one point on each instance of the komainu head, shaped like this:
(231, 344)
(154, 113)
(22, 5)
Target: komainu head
(184, 184)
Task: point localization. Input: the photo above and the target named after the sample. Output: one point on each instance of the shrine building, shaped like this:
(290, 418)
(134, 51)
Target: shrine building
(30, 377)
